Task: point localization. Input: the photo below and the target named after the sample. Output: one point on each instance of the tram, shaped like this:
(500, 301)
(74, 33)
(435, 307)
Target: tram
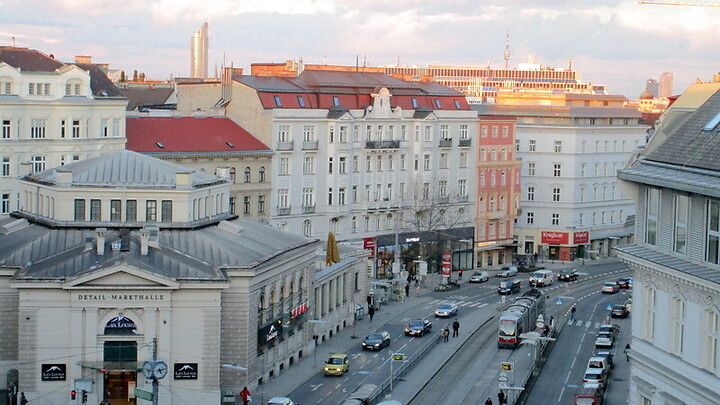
(519, 317)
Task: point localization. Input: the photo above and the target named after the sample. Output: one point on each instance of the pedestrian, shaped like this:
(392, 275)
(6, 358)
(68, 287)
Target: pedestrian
(371, 312)
(456, 327)
(417, 291)
(245, 396)
(23, 400)
(501, 398)
(627, 352)
(446, 333)
(460, 274)
(572, 312)
(407, 289)
(488, 401)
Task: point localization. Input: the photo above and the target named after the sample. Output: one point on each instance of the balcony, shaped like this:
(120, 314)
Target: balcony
(445, 143)
(308, 209)
(283, 211)
(382, 144)
(463, 198)
(310, 145)
(444, 200)
(285, 145)
(465, 142)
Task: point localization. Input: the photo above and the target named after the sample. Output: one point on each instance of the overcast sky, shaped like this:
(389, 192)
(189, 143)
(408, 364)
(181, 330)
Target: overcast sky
(618, 43)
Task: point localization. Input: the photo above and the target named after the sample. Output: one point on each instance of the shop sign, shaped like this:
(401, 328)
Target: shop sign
(369, 244)
(446, 263)
(299, 310)
(554, 238)
(580, 238)
(270, 332)
(186, 371)
(53, 372)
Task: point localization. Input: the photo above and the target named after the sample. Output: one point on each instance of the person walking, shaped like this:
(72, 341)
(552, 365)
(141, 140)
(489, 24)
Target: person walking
(245, 396)
(459, 274)
(23, 400)
(371, 312)
(501, 398)
(407, 289)
(417, 291)
(572, 312)
(627, 350)
(456, 327)
(446, 333)
(488, 401)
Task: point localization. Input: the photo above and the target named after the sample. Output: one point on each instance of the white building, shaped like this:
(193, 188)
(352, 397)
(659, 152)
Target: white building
(571, 147)
(676, 257)
(53, 113)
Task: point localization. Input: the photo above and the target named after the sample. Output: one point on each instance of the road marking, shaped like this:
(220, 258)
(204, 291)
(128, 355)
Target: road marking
(587, 324)
(356, 355)
(315, 386)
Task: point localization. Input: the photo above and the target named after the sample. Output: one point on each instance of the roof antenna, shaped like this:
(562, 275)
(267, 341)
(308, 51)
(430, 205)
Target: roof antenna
(13, 41)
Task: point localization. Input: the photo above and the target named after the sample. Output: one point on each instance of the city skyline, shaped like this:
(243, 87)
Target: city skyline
(618, 43)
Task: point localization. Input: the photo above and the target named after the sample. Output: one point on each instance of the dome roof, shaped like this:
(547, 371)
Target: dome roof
(646, 95)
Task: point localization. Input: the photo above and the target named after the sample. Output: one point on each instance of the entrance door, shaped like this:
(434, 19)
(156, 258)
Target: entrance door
(123, 356)
(117, 391)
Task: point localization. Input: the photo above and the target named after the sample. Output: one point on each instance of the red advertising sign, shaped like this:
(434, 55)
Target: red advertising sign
(554, 238)
(299, 310)
(446, 263)
(580, 238)
(369, 244)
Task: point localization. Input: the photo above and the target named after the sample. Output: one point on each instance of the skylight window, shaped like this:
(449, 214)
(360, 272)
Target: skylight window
(230, 144)
(437, 103)
(712, 123)
(277, 101)
(160, 145)
(301, 101)
(457, 104)
(336, 100)
(414, 102)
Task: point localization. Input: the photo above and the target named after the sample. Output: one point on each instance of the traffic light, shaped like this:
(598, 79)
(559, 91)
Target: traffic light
(73, 393)
(84, 397)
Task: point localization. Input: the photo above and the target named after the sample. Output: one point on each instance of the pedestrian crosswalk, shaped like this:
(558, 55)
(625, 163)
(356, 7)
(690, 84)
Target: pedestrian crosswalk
(581, 323)
(460, 301)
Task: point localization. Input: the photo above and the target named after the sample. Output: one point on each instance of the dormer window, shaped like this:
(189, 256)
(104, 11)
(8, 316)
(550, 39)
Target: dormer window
(6, 85)
(336, 100)
(301, 101)
(712, 123)
(72, 88)
(38, 89)
(457, 104)
(414, 102)
(230, 144)
(437, 104)
(278, 102)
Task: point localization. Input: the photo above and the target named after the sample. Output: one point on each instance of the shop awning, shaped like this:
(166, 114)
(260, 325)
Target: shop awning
(112, 366)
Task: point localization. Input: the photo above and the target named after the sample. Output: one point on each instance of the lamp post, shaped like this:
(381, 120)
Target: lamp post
(315, 338)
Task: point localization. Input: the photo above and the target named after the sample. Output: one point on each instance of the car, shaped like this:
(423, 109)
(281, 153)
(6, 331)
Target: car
(508, 287)
(610, 287)
(608, 357)
(376, 341)
(446, 310)
(624, 282)
(568, 275)
(596, 375)
(479, 277)
(590, 394)
(280, 401)
(541, 278)
(418, 327)
(604, 339)
(337, 364)
(506, 272)
(611, 328)
(619, 311)
(599, 362)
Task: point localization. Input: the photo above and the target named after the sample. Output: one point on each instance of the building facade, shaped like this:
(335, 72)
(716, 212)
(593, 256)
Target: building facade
(571, 147)
(199, 43)
(52, 113)
(114, 260)
(676, 261)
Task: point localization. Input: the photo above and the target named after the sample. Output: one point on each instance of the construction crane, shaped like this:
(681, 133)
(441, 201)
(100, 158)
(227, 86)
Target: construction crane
(684, 3)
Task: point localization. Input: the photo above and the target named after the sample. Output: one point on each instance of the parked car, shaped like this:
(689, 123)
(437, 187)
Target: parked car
(596, 375)
(623, 282)
(619, 311)
(541, 278)
(608, 357)
(599, 362)
(280, 401)
(376, 341)
(508, 287)
(590, 394)
(604, 339)
(508, 272)
(568, 275)
(446, 310)
(610, 287)
(479, 277)
(418, 327)
(337, 364)
(611, 328)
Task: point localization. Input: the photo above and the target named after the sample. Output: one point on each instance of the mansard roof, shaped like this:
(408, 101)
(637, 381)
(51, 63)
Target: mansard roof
(123, 169)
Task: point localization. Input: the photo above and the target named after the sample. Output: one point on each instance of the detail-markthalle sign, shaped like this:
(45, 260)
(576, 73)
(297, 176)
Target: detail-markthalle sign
(554, 238)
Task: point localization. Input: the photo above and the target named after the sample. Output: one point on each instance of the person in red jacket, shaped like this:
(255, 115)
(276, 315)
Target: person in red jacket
(245, 396)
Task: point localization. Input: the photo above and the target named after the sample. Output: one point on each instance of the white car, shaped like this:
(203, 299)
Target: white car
(604, 339)
(479, 277)
(508, 272)
(280, 401)
(446, 309)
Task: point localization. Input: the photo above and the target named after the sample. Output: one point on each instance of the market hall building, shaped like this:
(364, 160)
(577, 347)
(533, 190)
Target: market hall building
(111, 258)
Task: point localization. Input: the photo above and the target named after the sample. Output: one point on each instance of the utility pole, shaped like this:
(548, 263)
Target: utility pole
(155, 383)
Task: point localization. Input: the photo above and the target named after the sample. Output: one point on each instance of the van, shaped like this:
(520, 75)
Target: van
(541, 278)
(591, 394)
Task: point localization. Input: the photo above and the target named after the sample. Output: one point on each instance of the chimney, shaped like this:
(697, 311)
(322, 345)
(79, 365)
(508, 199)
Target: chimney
(144, 239)
(100, 237)
(83, 59)
(182, 179)
(64, 177)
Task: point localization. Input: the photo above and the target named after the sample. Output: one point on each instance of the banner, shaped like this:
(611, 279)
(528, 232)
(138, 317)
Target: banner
(446, 263)
(581, 238)
(554, 238)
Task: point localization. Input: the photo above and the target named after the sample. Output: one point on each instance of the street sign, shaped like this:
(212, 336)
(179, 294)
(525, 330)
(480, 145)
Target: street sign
(558, 301)
(142, 394)
(506, 366)
(609, 307)
(399, 356)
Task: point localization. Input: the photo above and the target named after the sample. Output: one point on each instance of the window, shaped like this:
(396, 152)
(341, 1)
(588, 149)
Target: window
(531, 193)
(379, 133)
(355, 163)
(278, 102)
(530, 218)
(5, 169)
(555, 219)
(556, 194)
(72, 89)
(336, 100)
(151, 210)
(463, 159)
(484, 132)
(6, 85)
(649, 304)
(677, 312)
(282, 198)
(494, 131)
(379, 165)
(37, 129)
(246, 178)
(104, 128)
(344, 133)
(131, 210)
(426, 191)
(309, 165)
(232, 205)
(38, 163)
(517, 145)
(557, 169)
(6, 129)
(531, 145)
(457, 104)
(283, 166)
(438, 105)
(301, 101)
(115, 210)
(482, 179)
(558, 146)
(464, 134)
(76, 129)
(462, 187)
(390, 163)
(426, 162)
(505, 131)
(368, 163)
(79, 210)
(443, 160)
(681, 223)
(307, 227)
(342, 164)
(341, 196)
(428, 133)
(709, 352)
(116, 127)
(308, 133)
(330, 196)
(261, 174)
(444, 131)
(503, 178)
(402, 162)
(442, 185)
(5, 204)
(166, 211)
(712, 253)
(95, 210)
(531, 169)
(354, 194)
(246, 204)
(308, 197)
(652, 200)
(284, 133)
(414, 102)
(261, 203)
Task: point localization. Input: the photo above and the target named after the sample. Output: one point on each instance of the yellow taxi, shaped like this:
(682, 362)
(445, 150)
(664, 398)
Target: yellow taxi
(337, 364)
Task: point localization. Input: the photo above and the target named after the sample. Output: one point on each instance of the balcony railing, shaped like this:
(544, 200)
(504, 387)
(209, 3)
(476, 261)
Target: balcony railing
(285, 145)
(382, 144)
(444, 200)
(463, 198)
(465, 142)
(308, 209)
(445, 143)
(283, 210)
(310, 145)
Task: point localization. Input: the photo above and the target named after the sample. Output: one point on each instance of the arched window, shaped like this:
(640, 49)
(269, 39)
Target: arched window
(247, 175)
(272, 304)
(262, 174)
(121, 325)
(261, 309)
(233, 174)
(307, 228)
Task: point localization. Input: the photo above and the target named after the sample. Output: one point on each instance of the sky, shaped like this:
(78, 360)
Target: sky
(618, 43)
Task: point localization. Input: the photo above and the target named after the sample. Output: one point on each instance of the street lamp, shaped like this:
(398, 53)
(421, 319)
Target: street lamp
(315, 338)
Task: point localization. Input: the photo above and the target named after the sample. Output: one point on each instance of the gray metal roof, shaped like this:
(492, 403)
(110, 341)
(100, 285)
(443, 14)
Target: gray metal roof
(124, 169)
(556, 111)
(704, 272)
(46, 254)
(693, 180)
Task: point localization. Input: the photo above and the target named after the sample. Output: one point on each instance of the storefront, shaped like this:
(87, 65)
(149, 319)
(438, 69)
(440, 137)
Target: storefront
(559, 245)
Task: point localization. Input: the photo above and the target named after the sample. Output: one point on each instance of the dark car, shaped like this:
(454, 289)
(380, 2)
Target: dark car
(418, 327)
(623, 282)
(376, 341)
(568, 275)
(508, 287)
(619, 311)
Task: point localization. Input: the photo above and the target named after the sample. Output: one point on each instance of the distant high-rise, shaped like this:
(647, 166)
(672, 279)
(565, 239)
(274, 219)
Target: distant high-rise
(199, 53)
(666, 84)
(652, 86)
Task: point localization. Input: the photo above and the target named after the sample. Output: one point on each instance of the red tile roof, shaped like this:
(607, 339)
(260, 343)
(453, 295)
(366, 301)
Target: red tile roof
(190, 135)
